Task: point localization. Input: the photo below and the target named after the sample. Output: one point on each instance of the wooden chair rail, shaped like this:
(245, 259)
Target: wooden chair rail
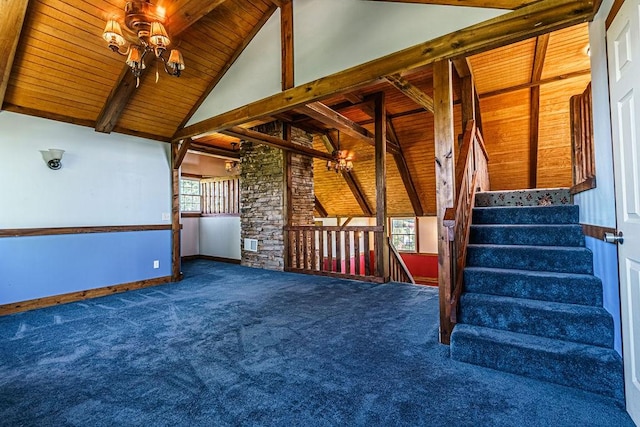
(472, 174)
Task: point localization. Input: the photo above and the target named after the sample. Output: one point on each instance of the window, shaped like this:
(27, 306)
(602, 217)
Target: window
(190, 195)
(403, 234)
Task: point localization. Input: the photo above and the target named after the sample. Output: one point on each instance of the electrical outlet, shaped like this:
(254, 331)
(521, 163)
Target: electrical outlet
(156, 264)
(166, 216)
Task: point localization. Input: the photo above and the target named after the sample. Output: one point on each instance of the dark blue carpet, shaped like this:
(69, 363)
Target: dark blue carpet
(236, 346)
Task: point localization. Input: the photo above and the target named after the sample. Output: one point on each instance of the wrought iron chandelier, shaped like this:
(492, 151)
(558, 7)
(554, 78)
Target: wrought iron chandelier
(342, 160)
(145, 33)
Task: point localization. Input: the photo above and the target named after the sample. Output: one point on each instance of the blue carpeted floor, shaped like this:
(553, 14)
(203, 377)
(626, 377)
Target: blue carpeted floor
(236, 346)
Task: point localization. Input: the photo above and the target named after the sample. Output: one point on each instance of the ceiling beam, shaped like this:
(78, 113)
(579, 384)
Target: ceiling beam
(541, 82)
(405, 173)
(272, 141)
(322, 212)
(542, 42)
(493, 4)
(411, 91)
(538, 18)
(228, 65)
(182, 153)
(185, 13)
(351, 180)
(13, 13)
(214, 151)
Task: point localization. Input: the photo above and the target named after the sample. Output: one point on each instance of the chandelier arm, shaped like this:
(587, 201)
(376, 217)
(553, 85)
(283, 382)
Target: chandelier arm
(169, 69)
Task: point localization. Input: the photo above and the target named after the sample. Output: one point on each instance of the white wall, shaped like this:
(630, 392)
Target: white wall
(220, 236)
(428, 234)
(330, 36)
(105, 179)
(597, 206)
(190, 236)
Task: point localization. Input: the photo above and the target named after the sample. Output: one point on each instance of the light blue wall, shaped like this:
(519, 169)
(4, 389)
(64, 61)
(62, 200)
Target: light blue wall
(41, 266)
(605, 266)
(105, 180)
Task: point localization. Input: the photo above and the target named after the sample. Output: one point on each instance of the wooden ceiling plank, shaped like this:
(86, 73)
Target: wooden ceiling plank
(542, 43)
(228, 65)
(272, 141)
(351, 180)
(405, 173)
(13, 14)
(125, 86)
(538, 18)
(493, 4)
(411, 91)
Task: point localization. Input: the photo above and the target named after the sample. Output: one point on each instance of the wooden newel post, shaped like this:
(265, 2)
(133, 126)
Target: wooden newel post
(380, 136)
(445, 182)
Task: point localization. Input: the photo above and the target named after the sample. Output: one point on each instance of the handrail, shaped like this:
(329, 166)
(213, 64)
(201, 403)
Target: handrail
(472, 174)
(397, 267)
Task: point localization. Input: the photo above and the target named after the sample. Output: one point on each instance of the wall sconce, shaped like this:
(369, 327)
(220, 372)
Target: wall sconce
(53, 158)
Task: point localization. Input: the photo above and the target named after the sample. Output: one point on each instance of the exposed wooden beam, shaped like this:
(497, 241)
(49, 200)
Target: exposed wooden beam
(176, 273)
(541, 82)
(286, 34)
(181, 15)
(542, 42)
(351, 180)
(493, 4)
(213, 83)
(214, 151)
(538, 18)
(405, 173)
(182, 153)
(13, 13)
(326, 115)
(272, 141)
(411, 91)
(322, 212)
(445, 181)
(381, 241)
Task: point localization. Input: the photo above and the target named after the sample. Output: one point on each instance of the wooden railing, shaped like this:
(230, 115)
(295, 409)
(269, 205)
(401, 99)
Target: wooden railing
(472, 174)
(332, 251)
(397, 268)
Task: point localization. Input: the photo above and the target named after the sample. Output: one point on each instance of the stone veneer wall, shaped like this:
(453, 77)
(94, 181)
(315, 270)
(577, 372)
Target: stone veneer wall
(262, 185)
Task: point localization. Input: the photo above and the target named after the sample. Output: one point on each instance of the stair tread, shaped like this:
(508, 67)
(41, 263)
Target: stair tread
(528, 247)
(537, 304)
(537, 343)
(537, 273)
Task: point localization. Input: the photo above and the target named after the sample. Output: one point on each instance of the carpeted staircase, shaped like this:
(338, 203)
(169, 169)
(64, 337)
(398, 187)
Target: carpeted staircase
(532, 305)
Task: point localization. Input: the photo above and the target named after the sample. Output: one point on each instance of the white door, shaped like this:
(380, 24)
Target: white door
(623, 50)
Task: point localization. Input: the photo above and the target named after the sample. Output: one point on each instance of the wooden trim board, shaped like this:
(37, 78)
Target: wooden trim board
(17, 307)
(596, 231)
(211, 258)
(24, 232)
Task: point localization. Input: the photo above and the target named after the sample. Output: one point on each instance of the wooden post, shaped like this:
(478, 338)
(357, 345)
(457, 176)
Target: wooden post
(468, 101)
(288, 201)
(445, 181)
(176, 274)
(380, 136)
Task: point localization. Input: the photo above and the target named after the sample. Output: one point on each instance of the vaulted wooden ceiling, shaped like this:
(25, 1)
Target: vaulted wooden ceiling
(63, 71)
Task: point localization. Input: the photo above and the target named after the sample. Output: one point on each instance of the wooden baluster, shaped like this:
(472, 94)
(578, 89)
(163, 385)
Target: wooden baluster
(339, 251)
(356, 250)
(330, 240)
(367, 254)
(313, 266)
(301, 249)
(347, 252)
(305, 248)
(321, 244)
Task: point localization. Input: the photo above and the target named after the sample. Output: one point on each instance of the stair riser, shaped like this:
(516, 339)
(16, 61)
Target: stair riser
(552, 196)
(590, 328)
(585, 291)
(579, 371)
(527, 215)
(569, 235)
(568, 260)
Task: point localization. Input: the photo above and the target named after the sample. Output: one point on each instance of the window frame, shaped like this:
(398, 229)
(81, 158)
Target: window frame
(414, 234)
(191, 196)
